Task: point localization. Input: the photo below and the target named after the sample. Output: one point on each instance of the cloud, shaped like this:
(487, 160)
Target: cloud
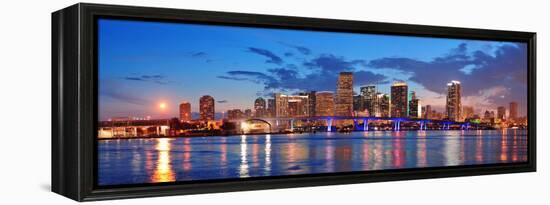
(477, 70)
(198, 54)
(303, 50)
(158, 79)
(222, 101)
(251, 76)
(328, 63)
(272, 58)
(486, 98)
(289, 78)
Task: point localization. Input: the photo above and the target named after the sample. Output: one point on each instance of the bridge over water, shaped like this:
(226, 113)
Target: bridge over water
(396, 121)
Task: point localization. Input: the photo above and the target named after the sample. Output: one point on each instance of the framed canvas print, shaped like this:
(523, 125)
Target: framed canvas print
(153, 102)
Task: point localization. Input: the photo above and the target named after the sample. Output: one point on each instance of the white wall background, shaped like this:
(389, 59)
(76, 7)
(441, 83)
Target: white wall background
(25, 98)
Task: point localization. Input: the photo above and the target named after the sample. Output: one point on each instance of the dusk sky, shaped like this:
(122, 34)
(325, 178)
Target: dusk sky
(143, 64)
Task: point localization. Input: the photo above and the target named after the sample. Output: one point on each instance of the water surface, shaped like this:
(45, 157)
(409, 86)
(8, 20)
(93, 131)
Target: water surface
(131, 161)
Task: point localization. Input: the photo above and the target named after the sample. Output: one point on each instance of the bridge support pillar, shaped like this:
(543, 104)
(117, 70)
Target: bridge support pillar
(365, 125)
(329, 125)
(397, 125)
(292, 125)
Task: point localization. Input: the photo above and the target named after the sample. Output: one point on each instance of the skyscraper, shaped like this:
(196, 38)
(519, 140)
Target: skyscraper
(312, 100)
(415, 108)
(281, 105)
(344, 94)
(206, 105)
(358, 103)
(271, 107)
(501, 112)
(489, 116)
(454, 105)
(325, 103)
(399, 99)
(368, 94)
(513, 111)
(260, 107)
(383, 103)
(185, 111)
(428, 112)
(300, 105)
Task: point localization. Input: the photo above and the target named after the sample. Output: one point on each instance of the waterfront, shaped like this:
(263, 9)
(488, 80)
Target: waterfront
(131, 161)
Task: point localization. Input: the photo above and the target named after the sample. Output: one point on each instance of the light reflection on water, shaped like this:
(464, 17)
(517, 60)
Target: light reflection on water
(133, 161)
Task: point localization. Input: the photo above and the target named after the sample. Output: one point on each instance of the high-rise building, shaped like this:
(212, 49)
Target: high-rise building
(281, 105)
(399, 99)
(501, 112)
(368, 94)
(415, 108)
(358, 103)
(298, 105)
(260, 107)
(206, 108)
(185, 111)
(489, 116)
(271, 107)
(513, 111)
(467, 112)
(344, 94)
(454, 105)
(312, 100)
(428, 112)
(383, 104)
(325, 103)
(291, 105)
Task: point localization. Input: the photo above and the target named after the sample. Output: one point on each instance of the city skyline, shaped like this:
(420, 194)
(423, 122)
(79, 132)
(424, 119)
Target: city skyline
(135, 78)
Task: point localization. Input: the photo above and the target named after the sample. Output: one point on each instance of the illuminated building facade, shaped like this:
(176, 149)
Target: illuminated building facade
(291, 105)
(399, 99)
(271, 107)
(344, 94)
(368, 94)
(415, 108)
(383, 104)
(312, 101)
(185, 112)
(428, 112)
(281, 105)
(260, 107)
(358, 103)
(325, 103)
(454, 105)
(501, 112)
(206, 108)
(513, 111)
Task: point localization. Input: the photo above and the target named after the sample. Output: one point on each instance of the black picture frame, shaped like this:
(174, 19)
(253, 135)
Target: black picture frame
(74, 100)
